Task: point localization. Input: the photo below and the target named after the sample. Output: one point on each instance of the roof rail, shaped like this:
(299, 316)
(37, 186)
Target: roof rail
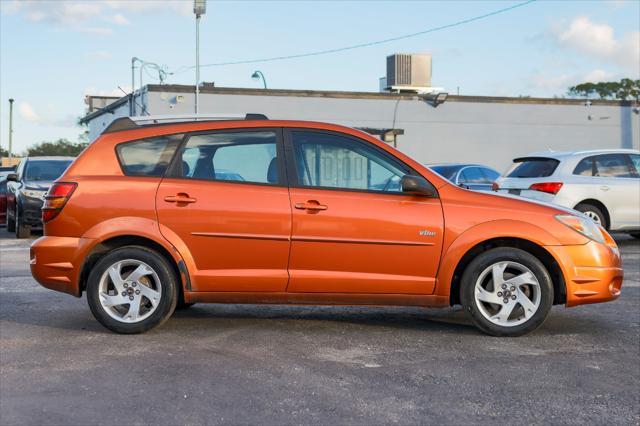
(130, 123)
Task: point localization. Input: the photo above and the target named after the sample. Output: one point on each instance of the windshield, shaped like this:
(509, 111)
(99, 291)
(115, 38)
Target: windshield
(533, 167)
(447, 172)
(45, 170)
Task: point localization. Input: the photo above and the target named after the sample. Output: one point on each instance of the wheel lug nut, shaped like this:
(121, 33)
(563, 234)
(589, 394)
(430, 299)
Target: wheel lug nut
(513, 297)
(130, 297)
(133, 285)
(513, 288)
(124, 293)
(137, 291)
(504, 286)
(125, 285)
(499, 294)
(506, 300)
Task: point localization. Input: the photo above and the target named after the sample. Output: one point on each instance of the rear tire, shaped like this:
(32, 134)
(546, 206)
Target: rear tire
(521, 300)
(594, 213)
(132, 289)
(635, 235)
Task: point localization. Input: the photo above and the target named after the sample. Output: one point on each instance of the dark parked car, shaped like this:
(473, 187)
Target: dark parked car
(469, 176)
(26, 189)
(3, 198)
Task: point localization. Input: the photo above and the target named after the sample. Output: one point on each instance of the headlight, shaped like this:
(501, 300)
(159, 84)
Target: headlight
(33, 193)
(583, 225)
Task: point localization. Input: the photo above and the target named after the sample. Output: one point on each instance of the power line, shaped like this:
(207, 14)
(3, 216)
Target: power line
(361, 45)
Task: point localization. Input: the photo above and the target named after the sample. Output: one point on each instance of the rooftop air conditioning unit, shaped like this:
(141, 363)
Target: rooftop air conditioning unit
(408, 72)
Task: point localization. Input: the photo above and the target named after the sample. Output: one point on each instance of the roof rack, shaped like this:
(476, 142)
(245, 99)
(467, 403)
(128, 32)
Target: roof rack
(130, 123)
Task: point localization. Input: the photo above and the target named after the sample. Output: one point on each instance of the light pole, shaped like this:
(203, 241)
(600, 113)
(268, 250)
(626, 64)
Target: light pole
(258, 75)
(132, 106)
(199, 8)
(10, 130)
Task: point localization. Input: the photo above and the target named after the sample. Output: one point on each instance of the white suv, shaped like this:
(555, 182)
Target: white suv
(603, 184)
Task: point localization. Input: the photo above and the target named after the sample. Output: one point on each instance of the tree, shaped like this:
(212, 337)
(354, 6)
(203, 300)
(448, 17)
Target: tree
(624, 90)
(61, 147)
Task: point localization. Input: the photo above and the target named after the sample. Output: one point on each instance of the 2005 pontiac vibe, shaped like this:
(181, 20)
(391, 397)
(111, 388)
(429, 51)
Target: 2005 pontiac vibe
(158, 216)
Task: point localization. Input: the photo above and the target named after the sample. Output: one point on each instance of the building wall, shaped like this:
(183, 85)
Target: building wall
(488, 132)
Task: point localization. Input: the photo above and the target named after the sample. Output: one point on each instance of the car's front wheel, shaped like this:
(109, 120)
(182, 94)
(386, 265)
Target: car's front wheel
(22, 229)
(11, 222)
(594, 213)
(131, 290)
(507, 292)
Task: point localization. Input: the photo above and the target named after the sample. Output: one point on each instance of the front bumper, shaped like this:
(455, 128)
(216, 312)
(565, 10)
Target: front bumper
(31, 211)
(593, 272)
(56, 262)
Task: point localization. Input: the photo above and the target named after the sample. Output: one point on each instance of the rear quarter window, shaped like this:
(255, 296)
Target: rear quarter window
(147, 157)
(533, 167)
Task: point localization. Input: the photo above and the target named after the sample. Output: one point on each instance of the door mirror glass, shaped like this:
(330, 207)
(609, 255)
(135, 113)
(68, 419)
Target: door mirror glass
(12, 177)
(418, 185)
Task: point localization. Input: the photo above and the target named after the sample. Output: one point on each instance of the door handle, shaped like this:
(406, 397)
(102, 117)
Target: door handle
(180, 198)
(311, 205)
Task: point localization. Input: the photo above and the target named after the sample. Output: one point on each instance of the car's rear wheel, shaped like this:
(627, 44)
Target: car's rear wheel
(11, 222)
(22, 230)
(507, 292)
(594, 213)
(131, 290)
(635, 235)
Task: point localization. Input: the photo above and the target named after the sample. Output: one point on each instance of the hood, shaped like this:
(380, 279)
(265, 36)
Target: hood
(38, 185)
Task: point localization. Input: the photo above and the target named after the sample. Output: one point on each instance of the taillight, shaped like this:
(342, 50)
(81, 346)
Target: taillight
(56, 198)
(548, 187)
(495, 186)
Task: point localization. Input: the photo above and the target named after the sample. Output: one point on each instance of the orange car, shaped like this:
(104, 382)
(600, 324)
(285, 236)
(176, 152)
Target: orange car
(155, 217)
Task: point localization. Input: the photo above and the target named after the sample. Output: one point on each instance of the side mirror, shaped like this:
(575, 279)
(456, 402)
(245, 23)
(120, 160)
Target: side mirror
(12, 177)
(417, 185)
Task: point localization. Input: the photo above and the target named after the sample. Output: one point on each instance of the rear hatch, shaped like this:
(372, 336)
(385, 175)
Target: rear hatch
(527, 172)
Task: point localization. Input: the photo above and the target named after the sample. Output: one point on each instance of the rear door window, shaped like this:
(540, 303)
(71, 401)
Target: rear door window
(147, 157)
(247, 156)
(533, 167)
(613, 165)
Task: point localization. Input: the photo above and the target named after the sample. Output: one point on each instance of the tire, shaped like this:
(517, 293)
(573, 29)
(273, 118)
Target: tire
(11, 223)
(635, 235)
(22, 230)
(156, 281)
(535, 292)
(594, 213)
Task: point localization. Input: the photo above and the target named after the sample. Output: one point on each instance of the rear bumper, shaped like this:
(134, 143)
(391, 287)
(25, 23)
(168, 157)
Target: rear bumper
(592, 272)
(56, 262)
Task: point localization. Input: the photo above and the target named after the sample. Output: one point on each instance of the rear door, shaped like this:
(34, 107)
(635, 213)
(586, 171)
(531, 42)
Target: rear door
(354, 231)
(226, 198)
(617, 185)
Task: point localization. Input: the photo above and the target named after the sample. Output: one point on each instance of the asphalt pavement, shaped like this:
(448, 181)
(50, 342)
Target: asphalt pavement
(248, 364)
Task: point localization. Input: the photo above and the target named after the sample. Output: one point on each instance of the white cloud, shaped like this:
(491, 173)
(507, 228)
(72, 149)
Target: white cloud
(599, 41)
(557, 84)
(27, 112)
(119, 19)
(83, 15)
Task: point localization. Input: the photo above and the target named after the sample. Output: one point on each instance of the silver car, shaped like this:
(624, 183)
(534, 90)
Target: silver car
(603, 184)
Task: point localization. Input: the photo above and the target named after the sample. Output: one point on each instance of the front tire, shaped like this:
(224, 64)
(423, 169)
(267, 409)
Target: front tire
(11, 222)
(22, 230)
(131, 290)
(507, 292)
(635, 235)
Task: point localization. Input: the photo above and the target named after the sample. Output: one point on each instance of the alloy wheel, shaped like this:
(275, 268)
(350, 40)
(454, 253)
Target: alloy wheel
(129, 291)
(507, 293)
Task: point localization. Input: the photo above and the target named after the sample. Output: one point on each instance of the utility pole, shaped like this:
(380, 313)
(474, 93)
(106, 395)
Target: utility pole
(10, 130)
(132, 105)
(199, 8)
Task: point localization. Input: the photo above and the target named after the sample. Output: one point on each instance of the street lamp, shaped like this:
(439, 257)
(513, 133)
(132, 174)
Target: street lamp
(258, 75)
(199, 8)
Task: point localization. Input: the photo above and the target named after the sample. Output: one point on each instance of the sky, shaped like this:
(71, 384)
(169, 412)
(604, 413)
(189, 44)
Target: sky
(53, 53)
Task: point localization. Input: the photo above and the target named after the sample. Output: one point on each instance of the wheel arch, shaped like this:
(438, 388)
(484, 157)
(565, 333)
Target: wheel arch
(114, 242)
(547, 259)
(600, 205)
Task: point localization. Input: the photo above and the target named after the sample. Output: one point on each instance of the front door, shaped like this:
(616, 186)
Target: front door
(226, 199)
(354, 231)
